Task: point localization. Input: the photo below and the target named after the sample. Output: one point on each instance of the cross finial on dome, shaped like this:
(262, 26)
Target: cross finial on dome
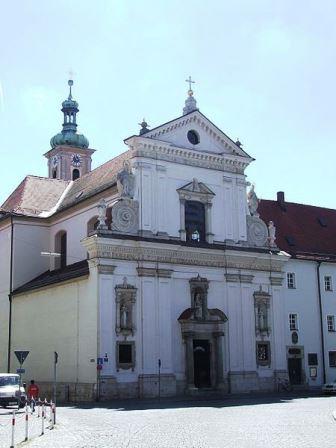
(70, 84)
(190, 81)
(190, 103)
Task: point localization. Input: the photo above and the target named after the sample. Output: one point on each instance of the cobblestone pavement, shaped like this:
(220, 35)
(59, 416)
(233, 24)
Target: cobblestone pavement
(242, 422)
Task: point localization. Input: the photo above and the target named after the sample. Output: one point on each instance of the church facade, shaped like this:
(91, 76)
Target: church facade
(160, 277)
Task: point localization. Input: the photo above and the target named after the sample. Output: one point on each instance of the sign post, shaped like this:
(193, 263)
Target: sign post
(55, 379)
(21, 356)
(159, 364)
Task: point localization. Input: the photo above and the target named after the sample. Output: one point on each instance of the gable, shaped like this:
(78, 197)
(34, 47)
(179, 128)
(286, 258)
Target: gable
(211, 139)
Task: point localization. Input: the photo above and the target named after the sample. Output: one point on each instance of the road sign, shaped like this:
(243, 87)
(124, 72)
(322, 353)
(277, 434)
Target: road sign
(20, 371)
(99, 361)
(21, 355)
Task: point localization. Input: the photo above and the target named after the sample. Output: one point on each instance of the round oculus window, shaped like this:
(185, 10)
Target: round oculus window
(193, 137)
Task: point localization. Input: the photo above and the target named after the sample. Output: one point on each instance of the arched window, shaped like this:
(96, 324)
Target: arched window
(195, 221)
(75, 174)
(92, 225)
(61, 248)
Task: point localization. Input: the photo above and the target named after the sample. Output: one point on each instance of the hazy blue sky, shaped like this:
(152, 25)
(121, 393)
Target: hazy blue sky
(265, 73)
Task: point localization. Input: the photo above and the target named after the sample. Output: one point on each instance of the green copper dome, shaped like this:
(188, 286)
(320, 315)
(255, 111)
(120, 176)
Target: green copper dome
(68, 135)
(69, 138)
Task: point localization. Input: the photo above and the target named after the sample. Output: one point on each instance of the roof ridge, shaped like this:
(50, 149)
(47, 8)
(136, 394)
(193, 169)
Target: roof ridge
(46, 178)
(300, 204)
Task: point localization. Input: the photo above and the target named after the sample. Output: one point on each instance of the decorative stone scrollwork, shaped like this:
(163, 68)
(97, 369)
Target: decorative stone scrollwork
(257, 232)
(125, 300)
(125, 216)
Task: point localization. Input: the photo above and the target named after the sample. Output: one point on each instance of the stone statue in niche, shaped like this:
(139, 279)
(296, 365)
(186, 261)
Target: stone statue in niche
(198, 306)
(123, 316)
(261, 306)
(126, 181)
(125, 302)
(262, 318)
(253, 202)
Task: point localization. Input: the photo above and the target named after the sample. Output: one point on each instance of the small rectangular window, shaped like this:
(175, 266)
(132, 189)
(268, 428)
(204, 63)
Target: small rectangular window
(293, 322)
(327, 283)
(331, 323)
(125, 355)
(332, 359)
(291, 280)
(312, 359)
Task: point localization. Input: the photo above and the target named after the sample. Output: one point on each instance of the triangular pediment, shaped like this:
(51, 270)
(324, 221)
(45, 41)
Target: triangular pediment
(196, 187)
(210, 138)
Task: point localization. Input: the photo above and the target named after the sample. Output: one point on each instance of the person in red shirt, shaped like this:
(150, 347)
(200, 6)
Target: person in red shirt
(33, 393)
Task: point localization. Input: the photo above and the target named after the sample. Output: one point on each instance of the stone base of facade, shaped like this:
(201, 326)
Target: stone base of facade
(68, 392)
(147, 386)
(245, 382)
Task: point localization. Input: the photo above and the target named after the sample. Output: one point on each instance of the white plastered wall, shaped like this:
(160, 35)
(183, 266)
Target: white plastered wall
(60, 318)
(157, 182)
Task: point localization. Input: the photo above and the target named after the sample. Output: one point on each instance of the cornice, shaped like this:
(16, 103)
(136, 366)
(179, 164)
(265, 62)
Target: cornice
(158, 150)
(159, 253)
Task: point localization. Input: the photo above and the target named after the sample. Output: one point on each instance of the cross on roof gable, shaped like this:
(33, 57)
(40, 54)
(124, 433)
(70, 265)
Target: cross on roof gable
(212, 139)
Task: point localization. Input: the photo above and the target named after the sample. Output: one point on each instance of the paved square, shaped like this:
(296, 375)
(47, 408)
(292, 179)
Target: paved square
(242, 422)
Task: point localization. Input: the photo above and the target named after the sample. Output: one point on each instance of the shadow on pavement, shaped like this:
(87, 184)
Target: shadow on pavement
(188, 402)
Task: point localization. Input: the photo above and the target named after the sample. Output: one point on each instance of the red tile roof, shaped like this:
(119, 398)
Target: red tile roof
(41, 194)
(304, 231)
(97, 180)
(35, 195)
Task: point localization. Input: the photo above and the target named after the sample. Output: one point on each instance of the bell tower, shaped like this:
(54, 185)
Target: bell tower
(70, 156)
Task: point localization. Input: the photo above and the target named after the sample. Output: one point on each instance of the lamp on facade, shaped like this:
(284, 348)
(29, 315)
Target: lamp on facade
(195, 236)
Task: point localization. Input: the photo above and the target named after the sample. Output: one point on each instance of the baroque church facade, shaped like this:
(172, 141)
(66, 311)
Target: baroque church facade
(160, 277)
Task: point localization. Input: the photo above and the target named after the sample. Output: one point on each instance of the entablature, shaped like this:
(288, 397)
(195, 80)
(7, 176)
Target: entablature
(160, 252)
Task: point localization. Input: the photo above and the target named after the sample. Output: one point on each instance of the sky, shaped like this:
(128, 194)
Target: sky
(265, 73)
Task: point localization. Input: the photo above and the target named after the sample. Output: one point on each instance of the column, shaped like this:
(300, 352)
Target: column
(208, 223)
(182, 220)
(220, 363)
(189, 361)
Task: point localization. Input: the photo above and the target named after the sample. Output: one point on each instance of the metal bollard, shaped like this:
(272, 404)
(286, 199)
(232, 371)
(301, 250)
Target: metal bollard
(45, 404)
(26, 424)
(52, 415)
(51, 412)
(42, 420)
(13, 429)
(39, 408)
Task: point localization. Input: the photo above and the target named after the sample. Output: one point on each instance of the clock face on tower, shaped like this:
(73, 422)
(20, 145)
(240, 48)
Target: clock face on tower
(76, 160)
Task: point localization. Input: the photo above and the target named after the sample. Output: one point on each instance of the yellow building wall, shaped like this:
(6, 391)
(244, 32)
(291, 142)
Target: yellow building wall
(61, 318)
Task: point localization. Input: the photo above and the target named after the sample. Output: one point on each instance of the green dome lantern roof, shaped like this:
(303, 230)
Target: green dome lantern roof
(68, 135)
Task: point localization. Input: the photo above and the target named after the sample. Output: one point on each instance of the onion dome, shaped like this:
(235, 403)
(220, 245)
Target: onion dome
(68, 135)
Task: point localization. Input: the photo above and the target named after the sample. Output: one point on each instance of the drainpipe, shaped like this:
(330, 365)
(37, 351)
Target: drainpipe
(10, 298)
(321, 319)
